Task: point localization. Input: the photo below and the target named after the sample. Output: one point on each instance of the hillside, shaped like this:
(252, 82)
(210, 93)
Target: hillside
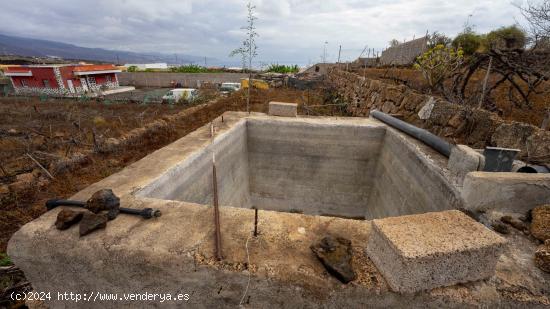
(12, 45)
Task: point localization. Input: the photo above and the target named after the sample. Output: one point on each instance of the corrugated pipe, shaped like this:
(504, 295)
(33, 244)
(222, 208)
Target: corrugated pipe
(533, 169)
(428, 138)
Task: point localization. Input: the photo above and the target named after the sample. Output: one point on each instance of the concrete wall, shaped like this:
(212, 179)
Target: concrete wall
(154, 79)
(318, 168)
(408, 181)
(314, 169)
(507, 192)
(191, 180)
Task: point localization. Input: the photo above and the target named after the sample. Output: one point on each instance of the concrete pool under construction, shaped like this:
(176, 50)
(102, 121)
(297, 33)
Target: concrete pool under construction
(392, 196)
(351, 169)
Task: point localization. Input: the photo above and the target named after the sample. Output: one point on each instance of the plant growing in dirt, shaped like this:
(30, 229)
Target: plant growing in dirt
(132, 68)
(506, 38)
(437, 38)
(439, 63)
(468, 41)
(276, 68)
(249, 47)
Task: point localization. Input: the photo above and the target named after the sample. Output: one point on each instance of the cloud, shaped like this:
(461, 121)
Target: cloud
(291, 31)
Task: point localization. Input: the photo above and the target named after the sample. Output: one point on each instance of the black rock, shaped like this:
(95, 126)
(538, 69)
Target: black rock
(91, 222)
(104, 199)
(501, 228)
(66, 218)
(336, 254)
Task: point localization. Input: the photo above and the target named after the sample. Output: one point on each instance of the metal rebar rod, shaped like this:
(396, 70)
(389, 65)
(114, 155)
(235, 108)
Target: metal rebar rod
(255, 222)
(218, 244)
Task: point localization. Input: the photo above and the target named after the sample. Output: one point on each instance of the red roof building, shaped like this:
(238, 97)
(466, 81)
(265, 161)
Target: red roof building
(63, 80)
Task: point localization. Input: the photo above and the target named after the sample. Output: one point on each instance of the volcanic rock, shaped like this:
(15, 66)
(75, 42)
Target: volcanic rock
(104, 199)
(542, 257)
(66, 218)
(91, 222)
(540, 225)
(336, 254)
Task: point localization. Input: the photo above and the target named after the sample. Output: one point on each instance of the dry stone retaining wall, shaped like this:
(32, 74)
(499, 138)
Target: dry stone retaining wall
(457, 123)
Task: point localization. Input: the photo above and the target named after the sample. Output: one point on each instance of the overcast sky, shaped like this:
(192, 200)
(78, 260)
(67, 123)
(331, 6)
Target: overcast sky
(291, 31)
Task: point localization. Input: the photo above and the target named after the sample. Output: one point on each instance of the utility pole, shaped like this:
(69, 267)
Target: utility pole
(339, 53)
(205, 62)
(325, 52)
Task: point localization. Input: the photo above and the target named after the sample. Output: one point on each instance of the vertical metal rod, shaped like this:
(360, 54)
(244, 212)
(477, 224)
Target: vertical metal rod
(218, 240)
(255, 222)
(218, 237)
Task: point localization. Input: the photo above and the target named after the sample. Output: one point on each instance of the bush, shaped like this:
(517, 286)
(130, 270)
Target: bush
(468, 41)
(193, 68)
(132, 68)
(5, 260)
(511, 37)
(439, 63)
(437, 38)
(275, 68)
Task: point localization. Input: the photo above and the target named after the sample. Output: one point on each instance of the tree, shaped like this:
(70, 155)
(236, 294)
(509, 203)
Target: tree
(468, 41)
(242, 53)
(439, 63)
(249, 47)
(537, 15)
(394, 43)
(437, 38)
(504, 38)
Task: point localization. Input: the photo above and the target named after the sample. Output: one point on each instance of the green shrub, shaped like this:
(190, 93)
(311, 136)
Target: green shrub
(193, 68)
(438, 63)
(468, 41)
(132, 68)
(5, 260)
(511, 37)
(276, 68)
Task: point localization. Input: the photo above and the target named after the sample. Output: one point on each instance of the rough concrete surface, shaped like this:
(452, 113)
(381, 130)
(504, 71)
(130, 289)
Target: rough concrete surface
(283, 109)
(463, 160)
(512, 192)
(421, 252)
(174, 253)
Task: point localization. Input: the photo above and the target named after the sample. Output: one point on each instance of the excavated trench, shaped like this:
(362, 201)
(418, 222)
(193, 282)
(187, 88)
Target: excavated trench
(340, 169)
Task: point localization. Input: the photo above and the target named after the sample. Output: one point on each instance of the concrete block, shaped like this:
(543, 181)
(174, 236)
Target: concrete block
(426, 251)
(463, 160)
(506, 192)
(283, 109)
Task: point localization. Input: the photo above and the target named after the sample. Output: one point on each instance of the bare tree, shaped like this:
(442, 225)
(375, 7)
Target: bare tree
(537, 15)
(394, 42)
(249, 48)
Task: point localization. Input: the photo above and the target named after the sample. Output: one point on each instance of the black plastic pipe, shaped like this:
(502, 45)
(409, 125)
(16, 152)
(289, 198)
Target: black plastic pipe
(434, 141)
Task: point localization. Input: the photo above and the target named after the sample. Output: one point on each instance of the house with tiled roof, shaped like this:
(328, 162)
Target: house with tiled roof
(64, 80)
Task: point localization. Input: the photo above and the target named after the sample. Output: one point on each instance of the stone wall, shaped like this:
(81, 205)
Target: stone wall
(457, 123)
(405, 53)
(192, 80)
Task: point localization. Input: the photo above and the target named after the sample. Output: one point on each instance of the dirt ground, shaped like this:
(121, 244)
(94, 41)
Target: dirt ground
(533, 113)
(56, 129)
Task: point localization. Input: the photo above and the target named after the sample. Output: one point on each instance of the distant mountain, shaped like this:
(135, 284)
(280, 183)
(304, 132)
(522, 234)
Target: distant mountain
(12, 45)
